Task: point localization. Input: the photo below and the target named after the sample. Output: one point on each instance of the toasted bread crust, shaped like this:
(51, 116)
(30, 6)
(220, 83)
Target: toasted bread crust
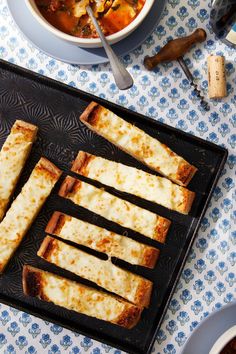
(31, 281)
(3, 206)
(189, 197)
(162, 229)
(129, 317)
(28, 130)
(185, 173)
(48, 168)
(150, 256)
(81, 162)
(68, 186)
(33, 285)
(56, 222)
(2, 266)
(46, 248)
(143, 294)
(89, 116)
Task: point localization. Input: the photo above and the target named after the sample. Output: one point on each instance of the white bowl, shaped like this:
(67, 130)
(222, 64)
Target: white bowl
(224, 339)
(90, 42)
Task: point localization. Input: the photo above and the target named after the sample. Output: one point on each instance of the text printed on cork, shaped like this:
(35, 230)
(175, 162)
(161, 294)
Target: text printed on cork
(216, 76)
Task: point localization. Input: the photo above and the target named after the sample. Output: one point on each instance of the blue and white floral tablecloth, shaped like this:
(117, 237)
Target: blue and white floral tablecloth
(209, 277)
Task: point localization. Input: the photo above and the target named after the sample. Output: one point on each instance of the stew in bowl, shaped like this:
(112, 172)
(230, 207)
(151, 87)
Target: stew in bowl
(70, 16)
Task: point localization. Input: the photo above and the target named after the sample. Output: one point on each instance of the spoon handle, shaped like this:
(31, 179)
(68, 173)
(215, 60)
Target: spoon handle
(122, 77)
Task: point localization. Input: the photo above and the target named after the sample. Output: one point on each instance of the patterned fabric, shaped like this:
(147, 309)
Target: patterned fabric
(209, 277)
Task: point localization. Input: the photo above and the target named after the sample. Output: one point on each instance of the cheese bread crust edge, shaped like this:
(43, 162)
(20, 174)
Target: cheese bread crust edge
(150, 257)
(188, 199)
(90, 116)
(68, 186)
(29, 130)
(55, 223)
(71, 184)
(162, 229)
(144, 290)
(46, 247)
(185, 173)
(81, 162)
(58, 219)
(49, 169)
(83, 159)
(32, 286)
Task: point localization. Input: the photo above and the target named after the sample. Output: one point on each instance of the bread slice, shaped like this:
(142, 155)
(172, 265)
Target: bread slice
(13, 156)
(131, 180)
(137, 143)
(25, 208)
(115, 209)
(79, 298)
(105, 274)
(102, 240)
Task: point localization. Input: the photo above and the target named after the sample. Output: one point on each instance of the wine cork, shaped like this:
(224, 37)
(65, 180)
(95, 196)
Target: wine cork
(216, 76)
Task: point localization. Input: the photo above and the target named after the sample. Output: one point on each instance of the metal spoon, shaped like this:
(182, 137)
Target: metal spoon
(122, 77)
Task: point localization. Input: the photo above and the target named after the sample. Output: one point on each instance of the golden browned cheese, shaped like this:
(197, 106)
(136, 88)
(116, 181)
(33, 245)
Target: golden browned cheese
(128, 179)
(115, 209)
(102, 240)
(138, 144)
(25, 208)
(13, 156)
(79, 298)
(119, 281)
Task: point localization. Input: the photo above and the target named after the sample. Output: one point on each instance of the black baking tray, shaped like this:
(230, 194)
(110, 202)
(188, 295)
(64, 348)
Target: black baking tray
(55, 108)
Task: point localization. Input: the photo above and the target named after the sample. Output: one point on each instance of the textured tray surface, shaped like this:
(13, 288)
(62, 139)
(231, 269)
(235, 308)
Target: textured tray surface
(55, 109)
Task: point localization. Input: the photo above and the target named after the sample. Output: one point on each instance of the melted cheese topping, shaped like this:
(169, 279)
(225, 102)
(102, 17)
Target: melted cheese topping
(139, 144)
(115, 209)
(131, 180)
(80, 8)
(13, 156)
(23, 211)
(100, 4)
(103, 273)
(79, 298)
(102, 240)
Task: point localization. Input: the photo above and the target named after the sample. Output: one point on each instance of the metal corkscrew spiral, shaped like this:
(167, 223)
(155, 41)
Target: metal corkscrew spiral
(174, 50)
(190, 78)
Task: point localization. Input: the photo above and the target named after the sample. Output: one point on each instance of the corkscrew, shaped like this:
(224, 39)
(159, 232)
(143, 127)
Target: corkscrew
(174, 50)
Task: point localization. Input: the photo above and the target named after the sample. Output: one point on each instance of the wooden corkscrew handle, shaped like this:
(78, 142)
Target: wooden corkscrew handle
(175, 49)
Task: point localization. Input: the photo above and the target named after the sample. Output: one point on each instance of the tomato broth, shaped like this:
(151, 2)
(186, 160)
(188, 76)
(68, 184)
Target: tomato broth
(70, 16)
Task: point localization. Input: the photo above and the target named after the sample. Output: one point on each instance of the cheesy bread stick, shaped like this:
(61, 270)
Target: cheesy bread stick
(105, 274)
(25, 208)
(13, 156)
(128, 179)
(115, 209)
(79, 298)
(102, 240)
(137, 143)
